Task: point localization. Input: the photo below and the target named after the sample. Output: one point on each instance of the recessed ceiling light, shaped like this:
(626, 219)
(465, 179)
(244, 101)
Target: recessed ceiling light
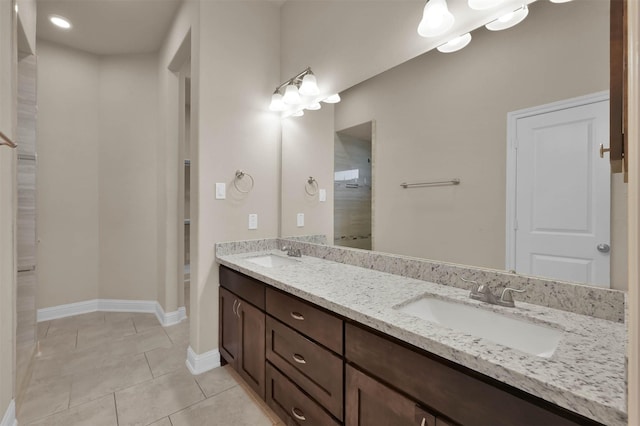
(60, 22)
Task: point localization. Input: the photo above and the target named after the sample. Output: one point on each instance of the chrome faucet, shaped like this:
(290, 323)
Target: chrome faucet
(483, 293)
(293, 252)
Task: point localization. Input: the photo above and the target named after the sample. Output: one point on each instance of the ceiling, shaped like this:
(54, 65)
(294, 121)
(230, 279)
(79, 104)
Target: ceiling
(108, 27)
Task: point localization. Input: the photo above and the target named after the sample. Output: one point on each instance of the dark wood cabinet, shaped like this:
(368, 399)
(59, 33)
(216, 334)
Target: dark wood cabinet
(370, 403)
(242, 329)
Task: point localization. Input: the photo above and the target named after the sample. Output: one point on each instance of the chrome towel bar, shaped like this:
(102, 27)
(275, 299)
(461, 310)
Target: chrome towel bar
(455, 181)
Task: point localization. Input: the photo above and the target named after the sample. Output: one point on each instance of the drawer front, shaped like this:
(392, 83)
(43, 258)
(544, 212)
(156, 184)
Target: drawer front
(315, 369)
(319, 325)
(291, 404)
(246, 287)
(446, 389)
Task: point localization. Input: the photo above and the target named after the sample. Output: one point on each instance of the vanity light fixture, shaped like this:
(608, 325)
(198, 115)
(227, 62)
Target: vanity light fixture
(60, 22)
(436, 19)
(560, 1)
(455, 44)
(296, 94)
(291, 95)
(314, 106)
(509, 20)
(332, 99)
(277, 104)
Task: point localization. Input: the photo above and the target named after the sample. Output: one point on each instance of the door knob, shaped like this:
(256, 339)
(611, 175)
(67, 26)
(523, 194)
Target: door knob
(603, 248)
(603, 150)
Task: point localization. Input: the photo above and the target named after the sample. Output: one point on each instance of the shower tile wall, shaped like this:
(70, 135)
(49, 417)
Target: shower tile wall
(26, 333)
(352, 198)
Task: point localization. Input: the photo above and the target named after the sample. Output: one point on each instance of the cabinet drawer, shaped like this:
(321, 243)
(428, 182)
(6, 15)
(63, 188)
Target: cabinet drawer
(315, 369)
(291, 404)
(246, 287)
(319, 325)
(457, 393)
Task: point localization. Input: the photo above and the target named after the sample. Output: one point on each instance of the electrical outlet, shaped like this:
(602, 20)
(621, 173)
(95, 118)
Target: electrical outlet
(253, 221)
(300, 220)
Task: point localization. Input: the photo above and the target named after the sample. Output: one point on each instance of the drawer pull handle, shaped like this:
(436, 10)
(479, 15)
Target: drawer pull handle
(424, 422)
(234, 307)
(299, 359)
(238, 309)
(297, 316)
(300, 416)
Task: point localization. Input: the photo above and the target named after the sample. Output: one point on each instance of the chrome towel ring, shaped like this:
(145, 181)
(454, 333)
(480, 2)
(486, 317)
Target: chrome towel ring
(311, 186)
(239, 176)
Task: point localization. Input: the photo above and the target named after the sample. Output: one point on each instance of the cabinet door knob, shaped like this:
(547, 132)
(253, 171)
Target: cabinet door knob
(299, 359)
(297, 316)
(300, 416)
(234, 307)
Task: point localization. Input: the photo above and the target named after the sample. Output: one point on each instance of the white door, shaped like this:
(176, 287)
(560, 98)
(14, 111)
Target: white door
(563, 195)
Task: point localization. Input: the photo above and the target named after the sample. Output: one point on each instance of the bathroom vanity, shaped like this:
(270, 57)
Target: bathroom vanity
(329, 343)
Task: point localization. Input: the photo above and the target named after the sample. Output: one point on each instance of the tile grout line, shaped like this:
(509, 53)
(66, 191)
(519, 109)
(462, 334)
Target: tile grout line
(115, 404)
(149, 365)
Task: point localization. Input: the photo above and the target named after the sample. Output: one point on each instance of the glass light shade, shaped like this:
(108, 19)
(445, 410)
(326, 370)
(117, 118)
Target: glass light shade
(436, 19)
(333, 99)
(509, 20)
(484, 4)
(277, 104)
(291, 95)
(60, 22)
(309, 87)
(314, 106)
(559, 1)
(298, 113)
(455, 44)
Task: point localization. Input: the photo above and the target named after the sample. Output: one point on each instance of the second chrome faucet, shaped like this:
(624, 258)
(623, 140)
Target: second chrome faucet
(483, 293)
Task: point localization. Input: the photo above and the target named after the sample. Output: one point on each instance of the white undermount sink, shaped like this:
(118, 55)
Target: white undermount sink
(518, 334)
(272, 260)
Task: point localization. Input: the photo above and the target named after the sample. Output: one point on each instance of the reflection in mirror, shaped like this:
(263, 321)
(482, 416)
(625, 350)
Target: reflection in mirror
(445, 116)
(352, 187)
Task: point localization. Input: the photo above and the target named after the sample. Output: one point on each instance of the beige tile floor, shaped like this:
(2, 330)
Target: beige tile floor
(124, 369)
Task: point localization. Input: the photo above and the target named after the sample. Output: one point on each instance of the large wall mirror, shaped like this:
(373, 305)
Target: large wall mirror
(442, 117)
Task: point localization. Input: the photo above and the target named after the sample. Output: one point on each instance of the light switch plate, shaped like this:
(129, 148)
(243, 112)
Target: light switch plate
(300, 220)
(253, 221)
(322, 195)
(221, 191)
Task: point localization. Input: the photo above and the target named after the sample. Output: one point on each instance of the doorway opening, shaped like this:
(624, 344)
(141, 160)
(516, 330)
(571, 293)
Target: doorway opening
(353, 187)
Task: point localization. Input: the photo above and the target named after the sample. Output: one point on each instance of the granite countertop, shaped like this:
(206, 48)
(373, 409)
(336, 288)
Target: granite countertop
(586, 374)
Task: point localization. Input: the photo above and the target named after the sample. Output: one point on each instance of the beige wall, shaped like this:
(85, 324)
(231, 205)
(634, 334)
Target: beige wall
(68, 179)
(236, 131)
(98, 131)
(8, 202)
(128, 134)
(27, 26)
(307, 150)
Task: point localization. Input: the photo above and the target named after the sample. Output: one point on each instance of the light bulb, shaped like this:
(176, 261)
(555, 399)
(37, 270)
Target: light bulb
(455, 44)
(436, 19)
(509, 20)
(60, 22)
(309, 87)
(314, 106)
(333, 99)
(484, 4)
(277, 104)
(291, 95)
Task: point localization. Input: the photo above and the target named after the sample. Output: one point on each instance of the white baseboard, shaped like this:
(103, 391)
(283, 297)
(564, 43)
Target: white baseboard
(9, 418)
(201, 363)
(170, 318)
(113, 305)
